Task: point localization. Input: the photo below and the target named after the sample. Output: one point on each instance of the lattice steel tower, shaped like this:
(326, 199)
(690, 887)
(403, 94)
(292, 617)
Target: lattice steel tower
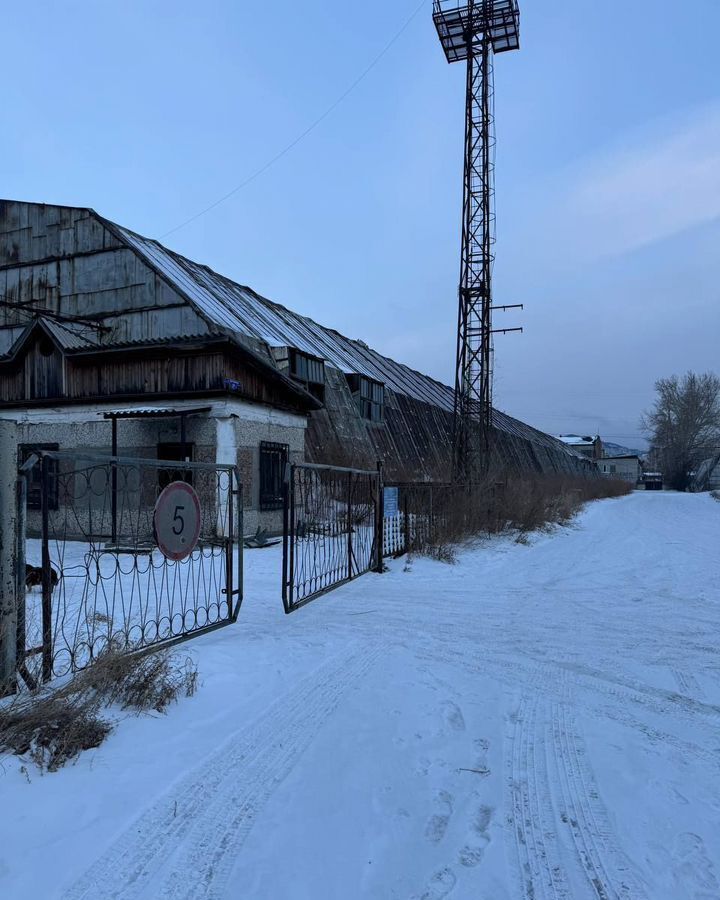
(474, 31)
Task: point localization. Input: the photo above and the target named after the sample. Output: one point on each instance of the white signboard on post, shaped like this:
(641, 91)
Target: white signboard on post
(177, 520)
(390, 502)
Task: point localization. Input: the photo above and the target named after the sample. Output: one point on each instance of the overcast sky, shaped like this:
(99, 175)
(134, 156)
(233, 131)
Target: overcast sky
(608, 173)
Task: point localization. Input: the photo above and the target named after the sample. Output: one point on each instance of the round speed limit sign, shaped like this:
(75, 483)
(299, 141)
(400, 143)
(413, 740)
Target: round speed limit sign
(177, 520)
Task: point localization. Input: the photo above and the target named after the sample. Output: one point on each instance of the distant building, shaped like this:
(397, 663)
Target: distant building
(627, 468)
(589, 446)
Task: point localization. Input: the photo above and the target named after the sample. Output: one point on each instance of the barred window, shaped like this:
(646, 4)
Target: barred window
(34, 490)
(273, 459)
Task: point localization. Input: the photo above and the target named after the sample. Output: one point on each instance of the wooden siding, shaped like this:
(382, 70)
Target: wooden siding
(65, 261)
(36, 376)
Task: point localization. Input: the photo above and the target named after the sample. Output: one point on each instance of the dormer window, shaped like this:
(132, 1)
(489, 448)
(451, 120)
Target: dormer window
(309, 371)
(369, 396)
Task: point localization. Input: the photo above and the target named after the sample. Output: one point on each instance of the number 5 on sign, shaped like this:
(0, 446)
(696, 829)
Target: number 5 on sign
(177, 520)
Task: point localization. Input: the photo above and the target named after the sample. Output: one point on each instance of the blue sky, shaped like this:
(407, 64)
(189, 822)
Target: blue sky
(608, 173)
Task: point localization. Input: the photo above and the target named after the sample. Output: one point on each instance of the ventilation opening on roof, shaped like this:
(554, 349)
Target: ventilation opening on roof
(309, 371)
(369, 396)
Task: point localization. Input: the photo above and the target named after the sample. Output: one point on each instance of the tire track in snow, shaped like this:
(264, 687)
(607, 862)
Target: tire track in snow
(688, 684)
(559, 826)
(534, 838)
(606, 868)
(186, 844)
(657, 699)
(688, 704)
(597, 692)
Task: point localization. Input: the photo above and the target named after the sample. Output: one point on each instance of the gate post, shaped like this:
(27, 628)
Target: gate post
(46, 570)
(349, 526)
(8, 556)
(406, 522)
(380, 519)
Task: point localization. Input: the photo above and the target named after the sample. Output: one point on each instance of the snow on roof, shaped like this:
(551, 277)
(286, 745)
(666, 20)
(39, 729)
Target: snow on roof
(140, 412)
(574, 440)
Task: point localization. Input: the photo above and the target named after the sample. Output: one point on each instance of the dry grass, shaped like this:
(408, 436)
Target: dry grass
(514, 504)
(442, 552)
(54, 727)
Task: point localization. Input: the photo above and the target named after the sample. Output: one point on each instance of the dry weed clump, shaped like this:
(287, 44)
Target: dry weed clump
(52, 730)
(53, 727)
(441, 552)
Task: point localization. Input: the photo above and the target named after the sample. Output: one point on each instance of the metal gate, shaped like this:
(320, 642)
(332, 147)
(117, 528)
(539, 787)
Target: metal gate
(332, 524)
(90, 569)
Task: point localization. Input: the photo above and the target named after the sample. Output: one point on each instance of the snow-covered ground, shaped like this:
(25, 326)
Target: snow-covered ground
(534, 722)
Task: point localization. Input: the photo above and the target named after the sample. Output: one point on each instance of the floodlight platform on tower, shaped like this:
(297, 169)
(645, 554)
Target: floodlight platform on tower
(459, 24)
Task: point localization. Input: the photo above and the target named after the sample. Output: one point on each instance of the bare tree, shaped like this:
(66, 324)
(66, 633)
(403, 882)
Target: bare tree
(684, 424)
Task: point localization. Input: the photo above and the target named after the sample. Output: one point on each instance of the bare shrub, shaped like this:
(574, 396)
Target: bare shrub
(54, 727)
(441, 552)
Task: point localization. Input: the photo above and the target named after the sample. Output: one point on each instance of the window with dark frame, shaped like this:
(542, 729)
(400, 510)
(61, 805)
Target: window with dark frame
(34, 488)
(369, 396)
(273, 459)
(309, 371)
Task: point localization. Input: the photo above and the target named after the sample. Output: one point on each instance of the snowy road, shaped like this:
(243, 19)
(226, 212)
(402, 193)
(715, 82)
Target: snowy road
(536, 722)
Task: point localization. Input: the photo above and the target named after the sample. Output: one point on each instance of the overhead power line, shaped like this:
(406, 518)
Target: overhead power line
(333, 106)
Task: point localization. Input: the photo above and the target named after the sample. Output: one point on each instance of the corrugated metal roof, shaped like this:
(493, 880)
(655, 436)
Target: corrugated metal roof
(155, 412)
(237, 308)
(69, 336)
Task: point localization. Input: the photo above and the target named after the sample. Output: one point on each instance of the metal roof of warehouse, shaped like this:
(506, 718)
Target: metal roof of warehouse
(236, 308)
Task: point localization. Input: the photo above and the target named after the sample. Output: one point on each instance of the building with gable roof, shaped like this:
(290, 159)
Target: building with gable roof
(101, 328)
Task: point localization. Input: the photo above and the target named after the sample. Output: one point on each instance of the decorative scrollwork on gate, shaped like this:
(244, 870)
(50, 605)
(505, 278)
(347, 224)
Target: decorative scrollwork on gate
(104, 582)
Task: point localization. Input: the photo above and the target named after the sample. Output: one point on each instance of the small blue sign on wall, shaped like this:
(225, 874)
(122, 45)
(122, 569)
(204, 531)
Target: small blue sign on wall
(390, 502)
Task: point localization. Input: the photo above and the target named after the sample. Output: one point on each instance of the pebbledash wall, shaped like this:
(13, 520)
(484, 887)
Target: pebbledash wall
(229, 433)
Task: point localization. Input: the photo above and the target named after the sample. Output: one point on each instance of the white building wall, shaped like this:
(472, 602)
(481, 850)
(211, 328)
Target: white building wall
(618, 467)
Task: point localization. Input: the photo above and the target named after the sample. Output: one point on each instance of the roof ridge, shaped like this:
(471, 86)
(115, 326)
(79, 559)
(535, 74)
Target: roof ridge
(40, 203)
